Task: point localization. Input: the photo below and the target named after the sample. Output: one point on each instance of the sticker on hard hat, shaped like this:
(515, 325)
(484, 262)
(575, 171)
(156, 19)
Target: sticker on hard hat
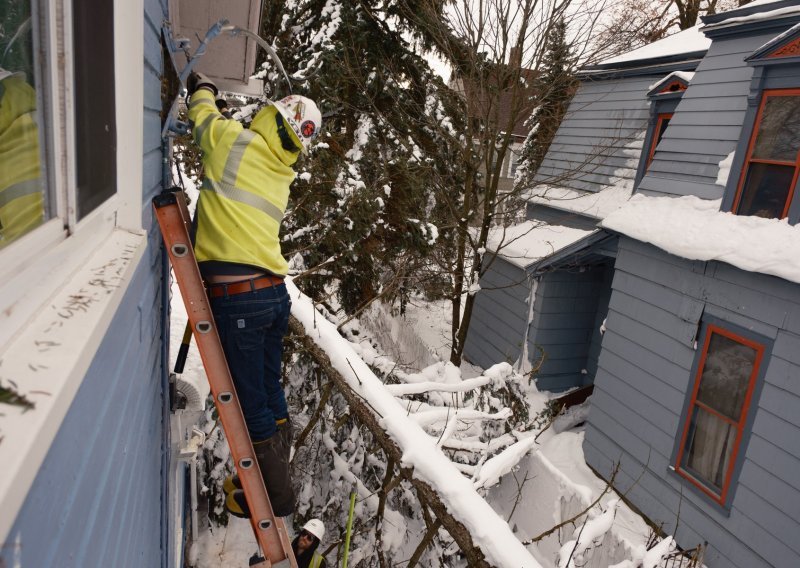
(308, 129)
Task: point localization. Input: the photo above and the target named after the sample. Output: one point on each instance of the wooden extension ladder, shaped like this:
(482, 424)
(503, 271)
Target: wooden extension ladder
(270, 532)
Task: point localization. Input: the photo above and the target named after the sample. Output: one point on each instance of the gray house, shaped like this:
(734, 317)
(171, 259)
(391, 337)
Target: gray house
(546, 284)
(91, 469)
(697, 390)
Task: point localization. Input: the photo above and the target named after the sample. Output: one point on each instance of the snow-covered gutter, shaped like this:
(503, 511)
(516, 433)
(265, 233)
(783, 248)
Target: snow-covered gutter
(461, 504)
(696, 229)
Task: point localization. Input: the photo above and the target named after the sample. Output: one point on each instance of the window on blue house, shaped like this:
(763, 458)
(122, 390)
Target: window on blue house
(664, 97)
(719, 407)
(24, 199)
(658, 134)
(95, 109)
(770, 170)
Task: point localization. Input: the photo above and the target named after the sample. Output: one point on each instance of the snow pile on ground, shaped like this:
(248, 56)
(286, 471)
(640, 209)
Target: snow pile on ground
(695, 229)
(553, 485)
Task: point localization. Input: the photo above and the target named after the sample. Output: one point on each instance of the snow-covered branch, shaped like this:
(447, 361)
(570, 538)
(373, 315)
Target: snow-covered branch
(484, 537)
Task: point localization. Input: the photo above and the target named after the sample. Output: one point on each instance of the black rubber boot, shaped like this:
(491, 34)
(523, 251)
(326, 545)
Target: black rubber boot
(273, 460)
(286, 432)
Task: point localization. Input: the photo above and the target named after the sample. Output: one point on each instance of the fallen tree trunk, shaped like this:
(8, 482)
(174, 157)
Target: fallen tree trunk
(368, 417)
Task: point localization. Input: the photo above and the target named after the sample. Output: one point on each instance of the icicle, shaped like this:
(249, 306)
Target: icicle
(523, 365)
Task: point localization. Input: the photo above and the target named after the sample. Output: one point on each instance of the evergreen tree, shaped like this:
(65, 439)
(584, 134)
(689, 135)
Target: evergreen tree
(362, 206)
(555, 85)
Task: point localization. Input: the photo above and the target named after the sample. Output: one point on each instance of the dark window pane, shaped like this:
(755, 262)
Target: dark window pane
(779, 131)
(23, 195)
(766, 190)
(708, 448)
(661, 128)
(95, 111)
(726, 375)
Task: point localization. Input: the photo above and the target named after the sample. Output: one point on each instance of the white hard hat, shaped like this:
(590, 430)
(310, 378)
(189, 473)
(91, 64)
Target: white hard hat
(315, 527)
(302, 116)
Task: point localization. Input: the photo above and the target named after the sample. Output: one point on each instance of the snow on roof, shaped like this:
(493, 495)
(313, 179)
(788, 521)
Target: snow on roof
(530, 241)
(684, 42)
(590, 204)
(696, 229)
(759, 16)
(683, 75)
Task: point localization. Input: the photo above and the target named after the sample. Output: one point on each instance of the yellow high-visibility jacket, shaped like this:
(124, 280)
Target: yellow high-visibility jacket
(21, 201)
(246, 187)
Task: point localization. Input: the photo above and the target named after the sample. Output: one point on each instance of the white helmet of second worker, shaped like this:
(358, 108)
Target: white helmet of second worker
(315, 527)
(303, 117)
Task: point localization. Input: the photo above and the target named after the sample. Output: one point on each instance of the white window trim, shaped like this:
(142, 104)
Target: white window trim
(48, 342)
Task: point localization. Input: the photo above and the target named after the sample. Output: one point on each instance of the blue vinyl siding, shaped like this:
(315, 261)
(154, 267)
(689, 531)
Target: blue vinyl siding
(707, 123)
(98, 499)
(569, 311)
(644, 373)
(500, 315)
(600, 139)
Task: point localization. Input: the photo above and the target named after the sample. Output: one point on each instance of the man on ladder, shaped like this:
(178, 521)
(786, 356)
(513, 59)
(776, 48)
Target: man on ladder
(239, 213)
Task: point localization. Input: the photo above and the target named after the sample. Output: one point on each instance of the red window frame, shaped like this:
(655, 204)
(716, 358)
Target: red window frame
(751, 146)
(740, 425)
(654, 142)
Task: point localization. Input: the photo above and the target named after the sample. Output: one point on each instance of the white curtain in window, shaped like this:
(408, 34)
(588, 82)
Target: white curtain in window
(709, 451)
(723, 388)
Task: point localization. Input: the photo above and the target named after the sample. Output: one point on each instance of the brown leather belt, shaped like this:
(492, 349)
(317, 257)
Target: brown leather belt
(220, 289)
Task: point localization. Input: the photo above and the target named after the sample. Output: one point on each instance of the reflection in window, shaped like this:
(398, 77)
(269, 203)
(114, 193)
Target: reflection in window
(718, 409)
(22, 188)
(770, 171)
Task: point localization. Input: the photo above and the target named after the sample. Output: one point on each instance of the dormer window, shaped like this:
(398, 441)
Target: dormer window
(664, 96)
(769, 174)
(658, 133)
(766, 163)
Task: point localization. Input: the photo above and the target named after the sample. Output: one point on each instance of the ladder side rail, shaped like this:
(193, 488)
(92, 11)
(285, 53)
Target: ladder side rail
(270, 532)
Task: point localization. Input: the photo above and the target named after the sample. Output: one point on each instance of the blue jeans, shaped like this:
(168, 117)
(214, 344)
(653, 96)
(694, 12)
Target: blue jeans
(251, 327)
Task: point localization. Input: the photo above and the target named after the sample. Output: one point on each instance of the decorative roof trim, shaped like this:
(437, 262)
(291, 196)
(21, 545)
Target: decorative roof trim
(789, 50)
(786, 44)
(676, 85)
(673, 84)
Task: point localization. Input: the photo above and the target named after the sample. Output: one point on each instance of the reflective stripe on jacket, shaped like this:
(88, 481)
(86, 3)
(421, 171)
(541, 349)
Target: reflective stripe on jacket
(21, 201)
(316, 561)
(246, 187)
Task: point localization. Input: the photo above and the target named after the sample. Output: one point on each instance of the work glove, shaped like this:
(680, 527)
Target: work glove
(200, 81)
(222, 106)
